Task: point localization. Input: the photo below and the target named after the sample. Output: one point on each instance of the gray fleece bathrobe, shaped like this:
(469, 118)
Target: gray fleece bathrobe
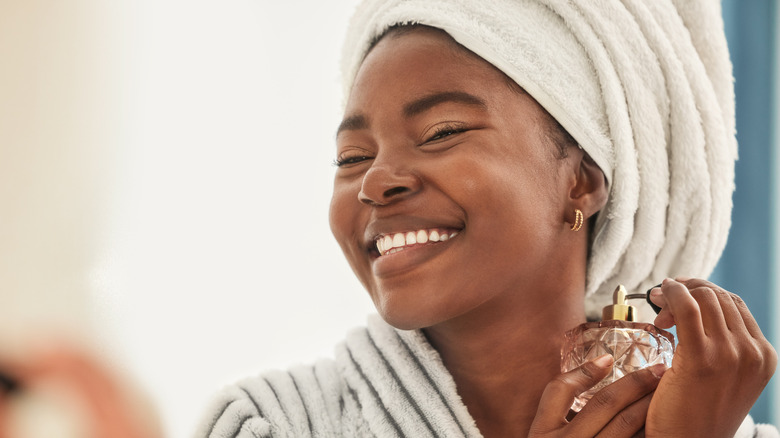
(383, 382)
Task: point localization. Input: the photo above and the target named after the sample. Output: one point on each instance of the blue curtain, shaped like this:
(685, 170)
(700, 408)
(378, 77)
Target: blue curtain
(746, 265)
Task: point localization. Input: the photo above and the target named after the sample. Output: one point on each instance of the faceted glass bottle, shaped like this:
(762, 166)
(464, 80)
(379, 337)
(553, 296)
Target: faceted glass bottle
(634, 345)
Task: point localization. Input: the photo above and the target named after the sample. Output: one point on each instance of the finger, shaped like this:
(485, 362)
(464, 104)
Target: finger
(614, 398)
(734, 320)
(744, 313)
(727, 302)
(711, 313)
(559, 394)
(630, 421)
(657, 297)
(664, 317)
(686, 311)
(747, 318)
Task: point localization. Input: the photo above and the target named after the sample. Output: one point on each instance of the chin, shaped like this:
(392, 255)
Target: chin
(403, 322)
(407, 317)
(420, 305)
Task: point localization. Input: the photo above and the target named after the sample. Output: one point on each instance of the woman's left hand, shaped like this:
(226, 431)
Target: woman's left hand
(721, 364)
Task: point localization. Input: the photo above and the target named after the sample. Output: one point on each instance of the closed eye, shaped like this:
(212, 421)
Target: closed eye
(346, 161)
(444, 132)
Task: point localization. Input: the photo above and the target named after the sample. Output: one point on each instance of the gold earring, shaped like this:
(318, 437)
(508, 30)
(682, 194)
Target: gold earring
(578, 220)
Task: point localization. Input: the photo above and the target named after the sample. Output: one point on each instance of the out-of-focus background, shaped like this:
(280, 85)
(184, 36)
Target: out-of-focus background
(165, 173)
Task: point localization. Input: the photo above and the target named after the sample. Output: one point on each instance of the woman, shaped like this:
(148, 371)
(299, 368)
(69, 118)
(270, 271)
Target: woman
(501, 166)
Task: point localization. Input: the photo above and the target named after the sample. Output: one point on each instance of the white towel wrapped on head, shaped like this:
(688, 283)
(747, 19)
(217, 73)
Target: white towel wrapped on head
(646, 90)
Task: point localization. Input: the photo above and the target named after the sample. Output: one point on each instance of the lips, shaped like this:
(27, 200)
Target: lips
(394, 242)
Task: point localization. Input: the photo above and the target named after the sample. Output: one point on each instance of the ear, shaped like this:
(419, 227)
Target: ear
(588, 191)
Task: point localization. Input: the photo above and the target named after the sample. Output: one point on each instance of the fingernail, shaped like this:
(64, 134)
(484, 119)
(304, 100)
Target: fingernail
(666, 280)
(654, 292)
(603, 361)
(658, 370)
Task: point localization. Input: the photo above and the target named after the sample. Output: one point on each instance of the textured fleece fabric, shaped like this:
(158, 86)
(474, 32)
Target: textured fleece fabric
(383, 383)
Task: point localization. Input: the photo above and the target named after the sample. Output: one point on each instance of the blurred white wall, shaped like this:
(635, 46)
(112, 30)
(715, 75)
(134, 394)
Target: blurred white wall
(222, 263)
(56, 99)
(166, 173)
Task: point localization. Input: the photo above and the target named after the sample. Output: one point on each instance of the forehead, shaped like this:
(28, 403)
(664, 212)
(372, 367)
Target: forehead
(421, 35)
(419, 61)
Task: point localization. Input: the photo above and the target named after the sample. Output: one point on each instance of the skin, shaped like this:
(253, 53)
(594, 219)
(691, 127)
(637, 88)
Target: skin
(110, 408)
(433, 137)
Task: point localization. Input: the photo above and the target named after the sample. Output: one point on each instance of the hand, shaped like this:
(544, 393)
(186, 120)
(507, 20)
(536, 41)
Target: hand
(721, 364)
(618, 410)
(68, 375)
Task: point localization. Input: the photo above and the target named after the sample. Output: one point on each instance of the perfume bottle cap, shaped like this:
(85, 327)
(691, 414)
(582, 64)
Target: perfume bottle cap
(619, 309)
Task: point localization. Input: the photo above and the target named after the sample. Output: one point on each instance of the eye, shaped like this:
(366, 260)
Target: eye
(444, 131)
(347, 161)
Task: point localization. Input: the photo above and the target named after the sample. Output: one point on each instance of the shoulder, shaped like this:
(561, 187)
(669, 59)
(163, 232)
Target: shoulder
(302, 401)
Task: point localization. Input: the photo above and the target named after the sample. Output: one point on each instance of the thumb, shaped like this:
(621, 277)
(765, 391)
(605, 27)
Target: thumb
(560, 392)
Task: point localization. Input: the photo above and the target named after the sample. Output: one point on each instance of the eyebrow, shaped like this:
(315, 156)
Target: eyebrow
(427, 102)
(352, 123)
(416, 107)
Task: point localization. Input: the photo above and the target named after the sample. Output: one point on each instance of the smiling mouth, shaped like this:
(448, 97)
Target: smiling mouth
(392, 243)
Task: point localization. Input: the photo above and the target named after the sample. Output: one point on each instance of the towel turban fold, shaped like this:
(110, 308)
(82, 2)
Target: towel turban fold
(646, 89)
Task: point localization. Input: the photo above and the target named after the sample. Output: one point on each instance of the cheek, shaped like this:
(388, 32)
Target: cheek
(342, 214)
(347, 221)
(512, 206)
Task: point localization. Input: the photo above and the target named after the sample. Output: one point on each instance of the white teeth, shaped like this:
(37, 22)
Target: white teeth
(387, 243)
(392, 243)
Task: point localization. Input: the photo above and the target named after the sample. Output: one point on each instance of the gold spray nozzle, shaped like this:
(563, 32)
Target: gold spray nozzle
(619, 309)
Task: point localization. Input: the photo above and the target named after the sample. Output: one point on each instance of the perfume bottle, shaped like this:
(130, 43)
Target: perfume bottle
(634, 345)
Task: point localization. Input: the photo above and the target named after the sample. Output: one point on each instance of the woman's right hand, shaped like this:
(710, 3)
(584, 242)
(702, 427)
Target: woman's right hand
(618, 410)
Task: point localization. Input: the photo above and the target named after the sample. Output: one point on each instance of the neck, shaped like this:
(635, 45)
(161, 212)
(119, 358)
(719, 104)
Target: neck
(503, 356)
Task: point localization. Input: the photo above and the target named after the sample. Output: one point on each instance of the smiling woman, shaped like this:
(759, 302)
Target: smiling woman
(501, 166)
(444, 162)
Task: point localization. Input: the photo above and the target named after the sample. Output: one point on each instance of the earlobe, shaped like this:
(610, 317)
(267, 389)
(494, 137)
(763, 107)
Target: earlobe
(589, 190)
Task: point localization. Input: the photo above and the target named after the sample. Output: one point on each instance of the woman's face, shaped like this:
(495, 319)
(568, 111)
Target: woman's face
(449, 196)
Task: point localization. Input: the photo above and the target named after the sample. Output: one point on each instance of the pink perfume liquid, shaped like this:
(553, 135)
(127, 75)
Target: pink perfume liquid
(634, 345)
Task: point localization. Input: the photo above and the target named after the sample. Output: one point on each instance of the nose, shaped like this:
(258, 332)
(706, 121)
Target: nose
(384, 184)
